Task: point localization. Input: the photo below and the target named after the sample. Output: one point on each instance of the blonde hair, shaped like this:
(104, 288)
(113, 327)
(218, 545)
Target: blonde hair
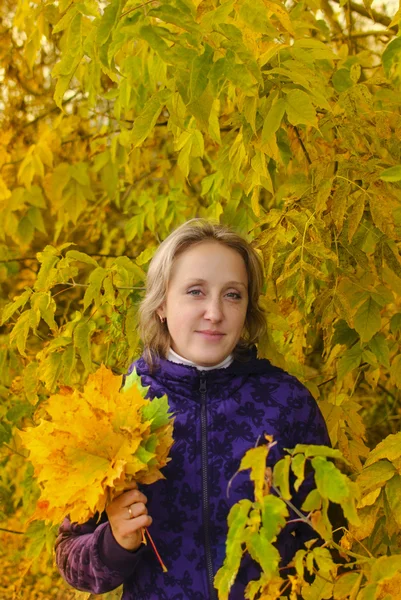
(153, 333)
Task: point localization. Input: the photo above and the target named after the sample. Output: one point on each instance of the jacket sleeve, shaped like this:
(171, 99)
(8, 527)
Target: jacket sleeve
(308, 427)
(89, 558)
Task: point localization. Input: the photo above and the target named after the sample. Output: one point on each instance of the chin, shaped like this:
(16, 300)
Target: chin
(208, 359)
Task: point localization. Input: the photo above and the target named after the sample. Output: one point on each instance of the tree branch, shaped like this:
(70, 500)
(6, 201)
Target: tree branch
(362, 34)
(373, 15)
(51, 110)
(329, 12)
(12, 531)
(303, 146)
(124, 14)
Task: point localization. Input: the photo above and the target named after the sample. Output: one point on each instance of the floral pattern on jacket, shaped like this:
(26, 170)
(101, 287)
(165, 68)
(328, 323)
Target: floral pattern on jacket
(242, 402)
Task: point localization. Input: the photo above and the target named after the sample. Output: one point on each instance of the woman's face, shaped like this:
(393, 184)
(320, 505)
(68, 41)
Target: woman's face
(206, 302)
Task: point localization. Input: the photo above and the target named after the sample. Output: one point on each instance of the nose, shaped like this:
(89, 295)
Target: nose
(214, 311)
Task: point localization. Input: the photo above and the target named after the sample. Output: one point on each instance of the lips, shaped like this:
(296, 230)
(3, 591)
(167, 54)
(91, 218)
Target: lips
(216, 333)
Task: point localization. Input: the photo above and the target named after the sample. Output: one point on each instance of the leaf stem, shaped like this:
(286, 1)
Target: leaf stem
(135, 8)
(163, 566)
(13, 451)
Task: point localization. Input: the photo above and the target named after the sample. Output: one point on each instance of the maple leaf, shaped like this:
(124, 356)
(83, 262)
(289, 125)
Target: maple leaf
(94, 442)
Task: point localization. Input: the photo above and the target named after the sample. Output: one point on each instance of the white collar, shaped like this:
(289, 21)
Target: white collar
(176, 358)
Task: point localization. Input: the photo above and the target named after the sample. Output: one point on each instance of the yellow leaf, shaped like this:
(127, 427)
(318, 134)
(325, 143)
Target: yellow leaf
(4, 191)
(93, 443)
(255, 459)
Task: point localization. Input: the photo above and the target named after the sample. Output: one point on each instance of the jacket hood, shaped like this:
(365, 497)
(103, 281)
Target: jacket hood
(185, 380)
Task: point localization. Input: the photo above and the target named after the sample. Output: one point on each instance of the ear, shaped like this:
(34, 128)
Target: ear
(161, 311)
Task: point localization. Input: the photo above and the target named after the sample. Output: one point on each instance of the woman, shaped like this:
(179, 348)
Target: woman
(199, 322)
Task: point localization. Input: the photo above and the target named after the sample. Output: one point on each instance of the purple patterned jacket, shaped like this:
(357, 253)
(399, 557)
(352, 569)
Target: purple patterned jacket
(219, 415)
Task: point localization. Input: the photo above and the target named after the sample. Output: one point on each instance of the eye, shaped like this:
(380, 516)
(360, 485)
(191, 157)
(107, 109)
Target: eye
(196, 292)
(237, 296)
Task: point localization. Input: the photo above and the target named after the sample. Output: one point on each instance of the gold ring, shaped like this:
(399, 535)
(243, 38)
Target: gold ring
(131, 516)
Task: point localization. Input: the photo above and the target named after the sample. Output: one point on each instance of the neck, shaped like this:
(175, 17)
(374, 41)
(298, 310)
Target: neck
(176, 358)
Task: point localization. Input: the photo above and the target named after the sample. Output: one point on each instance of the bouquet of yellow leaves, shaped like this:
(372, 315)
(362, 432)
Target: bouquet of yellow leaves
(94, 443)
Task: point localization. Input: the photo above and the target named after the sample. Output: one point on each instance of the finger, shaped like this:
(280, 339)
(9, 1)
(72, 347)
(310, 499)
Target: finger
(136, 510)
(132, 497)
(140, 522)
(128, 498)
(132, 485)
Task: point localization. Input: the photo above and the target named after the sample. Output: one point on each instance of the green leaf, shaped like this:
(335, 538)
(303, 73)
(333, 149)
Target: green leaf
(263, 552)
(82, 338)
(346, 584)
(392, 258)
(298, 468)
(391, 174)
(30, 379)
(367, 320)
(300, 109)
(92, 293)
(109, 18)
(321, 589)
(255, 15)
(237, 521)
(63, 83)
(48, 259)
(281, 476)
(43, 303)
(393, 494)
(68, 363)
(391, 55)
(350, 360)
(5, 432)
(12, 307)
(35, 197)
(18, 411)
(82, 257)
(157, 411)
(35, 217)
(330, 482)
(133, 379)
(19, 333)
(150, 34)
(385, 567)
(342, 80)
(199, 73)
(378, 345)
(50, 369)
(375, 475)
(271, 124)
(65, 20)
(146, 120)
(343, 334)
(313, 501)
(310, 450)
(274, 514)
(395, 323)
(40, 537)
(74, 39)
(143, 455)
(179, 14)
(323, 559)
(389, 448)
(25, 230)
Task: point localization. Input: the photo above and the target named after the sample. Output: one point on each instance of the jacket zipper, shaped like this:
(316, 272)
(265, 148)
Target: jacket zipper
(205, 488)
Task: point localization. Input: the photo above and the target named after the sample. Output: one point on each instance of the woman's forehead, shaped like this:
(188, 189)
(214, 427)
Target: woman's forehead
(210, 260)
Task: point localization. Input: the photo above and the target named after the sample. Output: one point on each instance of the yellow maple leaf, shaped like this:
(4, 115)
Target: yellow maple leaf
(93, 443)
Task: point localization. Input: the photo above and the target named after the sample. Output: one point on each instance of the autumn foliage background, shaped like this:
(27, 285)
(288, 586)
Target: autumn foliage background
(120, 121)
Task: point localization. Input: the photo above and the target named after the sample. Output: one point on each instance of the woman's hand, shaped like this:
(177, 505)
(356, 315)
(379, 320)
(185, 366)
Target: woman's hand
(127, 516)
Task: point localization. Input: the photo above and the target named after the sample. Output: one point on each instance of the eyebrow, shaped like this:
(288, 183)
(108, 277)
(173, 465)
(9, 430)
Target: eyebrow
(227, 283)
